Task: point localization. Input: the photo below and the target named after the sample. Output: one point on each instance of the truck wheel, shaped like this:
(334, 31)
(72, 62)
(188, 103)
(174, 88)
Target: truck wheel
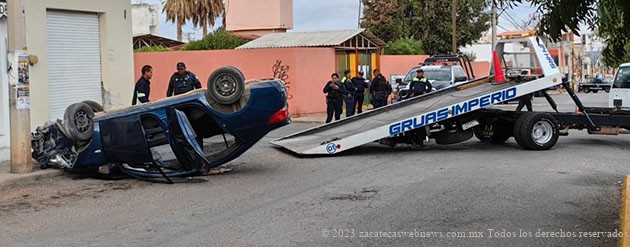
(502, 132)
(536, 131)
(452, 137)
(226, 85)
(595, 91)
(587, 90)
(478, 132)
(78, 120)
(607, 90)
(96, 107)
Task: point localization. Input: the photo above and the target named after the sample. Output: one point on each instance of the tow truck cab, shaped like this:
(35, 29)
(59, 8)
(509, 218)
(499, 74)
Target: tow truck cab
(619, 96)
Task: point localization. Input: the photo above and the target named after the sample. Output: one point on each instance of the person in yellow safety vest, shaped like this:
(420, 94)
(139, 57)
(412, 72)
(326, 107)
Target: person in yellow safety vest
(348, 98)
(420, 84)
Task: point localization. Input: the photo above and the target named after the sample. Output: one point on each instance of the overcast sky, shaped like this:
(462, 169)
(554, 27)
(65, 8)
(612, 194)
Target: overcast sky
(313, 15)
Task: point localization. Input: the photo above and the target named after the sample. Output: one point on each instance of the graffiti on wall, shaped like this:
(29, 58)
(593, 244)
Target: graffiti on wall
(282, 72)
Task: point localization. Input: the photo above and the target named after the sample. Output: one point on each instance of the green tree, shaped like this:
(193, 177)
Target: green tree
(427, 21)
(178, 11)
(157, 48)
(611, 18)
(404, 46)
(217, 40)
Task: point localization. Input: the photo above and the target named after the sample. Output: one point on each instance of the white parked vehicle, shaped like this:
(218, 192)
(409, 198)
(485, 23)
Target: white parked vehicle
(619, 96)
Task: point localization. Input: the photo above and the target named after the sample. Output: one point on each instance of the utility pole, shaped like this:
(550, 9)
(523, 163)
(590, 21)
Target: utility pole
(454, 26)
(21, 161)
(494, 26)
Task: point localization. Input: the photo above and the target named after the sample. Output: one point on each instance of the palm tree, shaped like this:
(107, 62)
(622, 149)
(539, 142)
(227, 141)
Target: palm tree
(179, 11)
(205, 12)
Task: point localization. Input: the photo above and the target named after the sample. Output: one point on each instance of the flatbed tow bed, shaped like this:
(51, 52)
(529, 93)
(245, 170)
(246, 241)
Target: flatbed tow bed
(456, 113)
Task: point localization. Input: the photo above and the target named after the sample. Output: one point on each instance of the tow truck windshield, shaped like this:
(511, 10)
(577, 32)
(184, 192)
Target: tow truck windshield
(622, 79)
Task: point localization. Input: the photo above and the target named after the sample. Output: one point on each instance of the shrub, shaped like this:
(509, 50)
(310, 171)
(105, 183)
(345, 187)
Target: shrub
(217, 40)
(157, 48)
(404, 46)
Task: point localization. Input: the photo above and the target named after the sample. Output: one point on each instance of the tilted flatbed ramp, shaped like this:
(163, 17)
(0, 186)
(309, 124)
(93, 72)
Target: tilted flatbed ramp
(413, 113)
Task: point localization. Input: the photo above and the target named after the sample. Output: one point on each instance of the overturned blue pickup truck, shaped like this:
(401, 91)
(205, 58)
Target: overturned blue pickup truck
(202, 129)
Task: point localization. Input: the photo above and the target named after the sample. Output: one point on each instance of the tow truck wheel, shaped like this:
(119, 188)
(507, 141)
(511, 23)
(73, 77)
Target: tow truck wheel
(607, 90)
(595, 91)
(587, 90)
(500, 134)
(226, 85)
(536, 131)
(78, 120)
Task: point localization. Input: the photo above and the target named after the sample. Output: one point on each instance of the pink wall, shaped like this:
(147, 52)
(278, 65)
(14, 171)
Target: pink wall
(401, 64)
(309, 70)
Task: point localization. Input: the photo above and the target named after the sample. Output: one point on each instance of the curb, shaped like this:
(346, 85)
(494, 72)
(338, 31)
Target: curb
(625, 213)
(10, 179)
(307, 121)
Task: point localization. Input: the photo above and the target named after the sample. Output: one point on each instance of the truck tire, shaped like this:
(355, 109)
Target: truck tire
(502, 132)
(595, 91)
(96, 107)
(78, 121)
(453, 136)
(536, 131)
(226, 85)
(607, 89)
(586, 90)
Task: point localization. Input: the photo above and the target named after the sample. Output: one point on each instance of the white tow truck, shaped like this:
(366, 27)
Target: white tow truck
(459, 112)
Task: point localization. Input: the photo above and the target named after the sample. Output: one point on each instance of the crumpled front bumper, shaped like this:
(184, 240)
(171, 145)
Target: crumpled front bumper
(52, 146)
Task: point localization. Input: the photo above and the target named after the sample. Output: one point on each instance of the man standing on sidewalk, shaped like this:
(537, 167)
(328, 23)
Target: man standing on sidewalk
(143, 86)
(360, 85)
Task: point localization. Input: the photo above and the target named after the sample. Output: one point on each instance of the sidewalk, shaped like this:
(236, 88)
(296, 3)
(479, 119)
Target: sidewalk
(10, 179)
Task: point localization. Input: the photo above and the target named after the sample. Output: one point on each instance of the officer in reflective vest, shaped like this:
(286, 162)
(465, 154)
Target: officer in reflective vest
(420, 84)
(348, 98)
(143, 86)
(182, 81)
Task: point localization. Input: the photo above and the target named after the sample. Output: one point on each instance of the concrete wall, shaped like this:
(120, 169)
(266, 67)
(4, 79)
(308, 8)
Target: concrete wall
(309, 70)
(116, 51)
(145, 19)
(244, 15)
(4, 94)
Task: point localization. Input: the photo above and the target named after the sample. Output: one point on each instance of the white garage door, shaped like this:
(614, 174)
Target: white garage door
(74, 59)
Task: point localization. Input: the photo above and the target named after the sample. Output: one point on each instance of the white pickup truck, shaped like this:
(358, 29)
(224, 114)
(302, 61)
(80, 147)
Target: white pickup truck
(620, 94)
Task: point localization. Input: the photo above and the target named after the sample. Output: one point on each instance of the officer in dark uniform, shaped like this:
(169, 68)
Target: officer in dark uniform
(360, 85)
(182, 81)
(143, 86)
(420, 84)
(334, 91)
(379, 89)
(349, 97)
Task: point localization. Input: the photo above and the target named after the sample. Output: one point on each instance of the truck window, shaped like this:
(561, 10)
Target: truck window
(622, 79)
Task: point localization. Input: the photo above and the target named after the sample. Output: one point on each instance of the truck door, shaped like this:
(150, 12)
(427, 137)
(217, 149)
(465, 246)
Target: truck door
(620, 92)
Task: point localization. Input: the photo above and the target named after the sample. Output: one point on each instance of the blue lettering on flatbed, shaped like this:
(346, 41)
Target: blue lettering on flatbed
(452, 111)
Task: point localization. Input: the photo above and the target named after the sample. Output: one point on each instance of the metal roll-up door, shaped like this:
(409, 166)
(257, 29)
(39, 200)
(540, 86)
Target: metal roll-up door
(74, 59)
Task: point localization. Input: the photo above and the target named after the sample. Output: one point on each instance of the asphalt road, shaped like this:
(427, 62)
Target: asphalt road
(488, 195)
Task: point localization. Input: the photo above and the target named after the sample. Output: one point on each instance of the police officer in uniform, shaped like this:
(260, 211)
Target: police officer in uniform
(379, 89)
(334, 91)
(360, 85)
(420, 84)
(348, 98)
(143, 86)
(182, 81)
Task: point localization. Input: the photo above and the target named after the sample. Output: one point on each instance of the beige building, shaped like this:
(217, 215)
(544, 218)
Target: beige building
(255, 18)
(85, 53)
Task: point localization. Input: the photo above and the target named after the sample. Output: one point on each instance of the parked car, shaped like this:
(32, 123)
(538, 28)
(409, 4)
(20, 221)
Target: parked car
(441, 71)
(203, 129)
(595, 85)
